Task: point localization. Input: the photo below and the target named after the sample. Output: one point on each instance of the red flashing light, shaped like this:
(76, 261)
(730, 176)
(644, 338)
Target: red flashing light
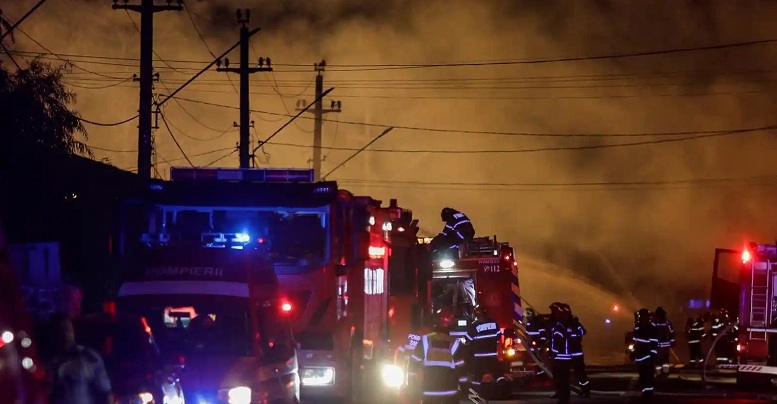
(740, 347)
(260, 240)
(286, 307)
(746, 256)
(616, 308)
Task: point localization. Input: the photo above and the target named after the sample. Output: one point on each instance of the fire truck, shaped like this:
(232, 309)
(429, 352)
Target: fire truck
(757, 341)
(329, 248)
(492, 266)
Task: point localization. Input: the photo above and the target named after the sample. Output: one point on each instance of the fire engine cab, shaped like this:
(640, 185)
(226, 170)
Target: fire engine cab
(757, 345)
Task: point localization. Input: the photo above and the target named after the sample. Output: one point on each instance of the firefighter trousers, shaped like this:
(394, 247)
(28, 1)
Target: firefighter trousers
(578, 364)
(696, 355)
(561, 370)
(647, 375)
(724, 352)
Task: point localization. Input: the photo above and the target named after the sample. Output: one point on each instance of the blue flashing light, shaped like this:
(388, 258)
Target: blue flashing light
(156, 187)
(242, 237)
(607, 321)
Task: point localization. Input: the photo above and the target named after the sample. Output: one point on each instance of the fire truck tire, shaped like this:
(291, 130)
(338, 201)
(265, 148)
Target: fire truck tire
(753, 380)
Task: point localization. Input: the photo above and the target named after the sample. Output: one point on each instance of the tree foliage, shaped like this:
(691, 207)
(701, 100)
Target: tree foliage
(35, 114)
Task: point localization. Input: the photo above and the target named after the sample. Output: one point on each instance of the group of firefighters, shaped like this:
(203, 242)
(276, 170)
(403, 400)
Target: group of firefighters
(696, 331)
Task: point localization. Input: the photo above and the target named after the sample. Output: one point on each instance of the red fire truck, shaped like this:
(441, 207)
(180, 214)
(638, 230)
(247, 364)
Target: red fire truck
(330, 251)
(757, 344)
(492, 266)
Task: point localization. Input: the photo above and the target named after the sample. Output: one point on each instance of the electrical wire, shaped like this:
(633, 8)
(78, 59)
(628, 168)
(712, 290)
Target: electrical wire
(377, 66)
(220, 158)
(204, 42)
(9, 30)
(172, 135)
(499, 133)
(97, 87)
(84, 120)
(134, 24)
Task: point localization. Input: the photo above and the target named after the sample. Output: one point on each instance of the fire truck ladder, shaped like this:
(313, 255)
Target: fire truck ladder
(759, 301)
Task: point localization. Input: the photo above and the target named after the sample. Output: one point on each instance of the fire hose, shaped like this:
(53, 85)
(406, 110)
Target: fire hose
(709, 352)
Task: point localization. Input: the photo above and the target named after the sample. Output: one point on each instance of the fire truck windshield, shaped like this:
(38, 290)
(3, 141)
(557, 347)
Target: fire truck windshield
(195, 325)
(289, 236)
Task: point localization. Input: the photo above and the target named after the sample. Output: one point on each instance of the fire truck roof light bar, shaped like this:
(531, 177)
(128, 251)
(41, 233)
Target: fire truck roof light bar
(242, 174)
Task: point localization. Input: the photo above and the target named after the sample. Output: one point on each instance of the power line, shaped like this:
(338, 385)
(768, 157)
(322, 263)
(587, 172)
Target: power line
(172, 135)
(204, 42)
(84, 120)
(10, 29)
(499, 133)
(373, 66)
(58, 56)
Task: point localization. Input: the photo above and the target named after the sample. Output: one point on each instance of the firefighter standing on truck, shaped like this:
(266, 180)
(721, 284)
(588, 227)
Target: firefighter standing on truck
(483, 337)
(695, 332)
(645, 350)
(666, 339)
(458, 230)
(439, 355)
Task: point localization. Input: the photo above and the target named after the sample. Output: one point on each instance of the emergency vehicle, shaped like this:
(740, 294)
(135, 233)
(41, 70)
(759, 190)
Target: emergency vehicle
(328, 247)
(757, 341)
(21, 372)
(201, 279)
(492, 266)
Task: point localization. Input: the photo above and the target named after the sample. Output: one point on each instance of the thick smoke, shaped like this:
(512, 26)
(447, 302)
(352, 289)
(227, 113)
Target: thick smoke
(654, 241)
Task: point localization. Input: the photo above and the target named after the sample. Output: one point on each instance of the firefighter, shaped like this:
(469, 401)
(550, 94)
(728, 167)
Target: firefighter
(560, 338)
(576, 350)
(536, 331)
(464, 297)
(666, 339)
(695, 331)
(719, 322)
(439, 355)
(402, 356)
(483, 337)
(458, 230)
(645, 350)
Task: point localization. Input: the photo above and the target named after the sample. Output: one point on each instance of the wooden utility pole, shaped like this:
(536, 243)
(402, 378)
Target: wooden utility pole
(318, 112)
(245, 71)
(147, 9)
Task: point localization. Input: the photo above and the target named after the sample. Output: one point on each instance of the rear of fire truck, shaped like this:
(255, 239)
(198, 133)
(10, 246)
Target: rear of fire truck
(757, 344)
(491, 266)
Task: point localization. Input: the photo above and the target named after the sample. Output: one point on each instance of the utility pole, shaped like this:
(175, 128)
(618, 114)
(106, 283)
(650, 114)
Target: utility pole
(245, 71)
(147, 9)
(318, 112)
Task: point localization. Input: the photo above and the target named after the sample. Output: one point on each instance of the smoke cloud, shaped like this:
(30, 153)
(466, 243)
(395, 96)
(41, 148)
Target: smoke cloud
(655, 241)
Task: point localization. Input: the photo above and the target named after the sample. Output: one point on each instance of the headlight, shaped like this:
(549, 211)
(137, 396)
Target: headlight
(141, 398)
(239, 395)
(510, 352)
(392, 375)
(318, 376)
(631, 347)
(445, 264)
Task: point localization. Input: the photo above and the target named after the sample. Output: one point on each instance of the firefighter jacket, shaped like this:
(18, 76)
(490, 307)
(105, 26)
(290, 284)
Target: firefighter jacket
(483, 338)
(536, 331)
(717, 326)
(733, 334)
(576, 343)
(695, 332)
(645, 342)
(566, 340)
(458, 227)
(665, 332)
(440, 356)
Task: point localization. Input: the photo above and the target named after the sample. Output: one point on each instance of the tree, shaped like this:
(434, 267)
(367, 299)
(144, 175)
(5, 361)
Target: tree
(35, 114)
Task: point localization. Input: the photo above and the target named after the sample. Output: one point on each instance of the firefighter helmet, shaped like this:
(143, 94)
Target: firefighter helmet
(445, 214)
(443, 318)
(642, 316)
(660, 312)
(556, 307)
(529, 312)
